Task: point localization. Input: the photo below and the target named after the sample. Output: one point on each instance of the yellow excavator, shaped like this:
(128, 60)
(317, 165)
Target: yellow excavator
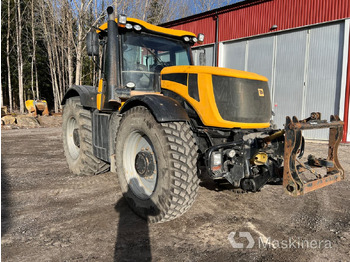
(157, 120)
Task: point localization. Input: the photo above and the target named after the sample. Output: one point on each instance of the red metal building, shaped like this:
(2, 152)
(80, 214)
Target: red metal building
(262, 19)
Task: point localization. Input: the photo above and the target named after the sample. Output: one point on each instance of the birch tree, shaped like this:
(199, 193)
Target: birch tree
(19, 55)
(2, 97)
(34, 72)
(47, 20)
(8, 55)
(49, 60)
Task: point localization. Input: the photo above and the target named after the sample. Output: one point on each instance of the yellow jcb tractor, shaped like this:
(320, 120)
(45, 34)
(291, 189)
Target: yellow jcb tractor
(157, 120)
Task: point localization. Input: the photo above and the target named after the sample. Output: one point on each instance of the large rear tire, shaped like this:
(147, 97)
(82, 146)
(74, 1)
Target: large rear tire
(77, 140)
(156, 165)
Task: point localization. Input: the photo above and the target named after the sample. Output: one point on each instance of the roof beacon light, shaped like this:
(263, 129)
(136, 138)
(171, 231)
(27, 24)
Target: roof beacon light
(122, 20)
(200, 38)
(137, 27)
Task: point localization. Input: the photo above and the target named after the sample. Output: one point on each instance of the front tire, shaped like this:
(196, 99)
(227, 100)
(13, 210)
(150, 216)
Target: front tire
(77, 140)
(156, 165)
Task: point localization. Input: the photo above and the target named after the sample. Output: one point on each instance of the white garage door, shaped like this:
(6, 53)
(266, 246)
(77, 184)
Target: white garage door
(303, 67)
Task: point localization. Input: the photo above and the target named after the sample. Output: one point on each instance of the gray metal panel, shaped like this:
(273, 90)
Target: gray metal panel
(289, 75)
(261, 56)
(208, 55)
(324, 74)
(234, 55)
(260, 59)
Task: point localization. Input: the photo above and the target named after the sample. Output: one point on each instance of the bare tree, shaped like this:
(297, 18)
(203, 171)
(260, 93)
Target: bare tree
(206, 5)
(33, 62)
(19, 55)
(63, 28)
(79, 44)
(82, 12)
(8, 54)
(68, 27)
(46, 11)
(154, 11)
(2, 97)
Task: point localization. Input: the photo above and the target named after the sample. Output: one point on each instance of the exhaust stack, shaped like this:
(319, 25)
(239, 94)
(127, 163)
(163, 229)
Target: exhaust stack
(112, 58)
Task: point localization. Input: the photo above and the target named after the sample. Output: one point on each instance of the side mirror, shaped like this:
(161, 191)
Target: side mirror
(92, 46)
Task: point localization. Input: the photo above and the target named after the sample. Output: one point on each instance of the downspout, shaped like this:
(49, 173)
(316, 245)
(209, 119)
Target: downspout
(347, 102)
(216, 45)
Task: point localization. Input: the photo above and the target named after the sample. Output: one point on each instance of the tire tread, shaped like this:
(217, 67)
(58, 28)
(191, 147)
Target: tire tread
(88, 164)
(181, 152)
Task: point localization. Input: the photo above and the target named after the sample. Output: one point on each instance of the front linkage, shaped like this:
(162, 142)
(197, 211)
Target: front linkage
(250, 163)
(292, 181)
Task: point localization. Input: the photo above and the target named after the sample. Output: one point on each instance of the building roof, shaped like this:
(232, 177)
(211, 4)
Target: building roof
(257, 17)
(213, 12)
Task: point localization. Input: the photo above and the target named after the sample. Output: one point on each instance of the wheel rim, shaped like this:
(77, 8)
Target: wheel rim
(73, 139)
(140, 165)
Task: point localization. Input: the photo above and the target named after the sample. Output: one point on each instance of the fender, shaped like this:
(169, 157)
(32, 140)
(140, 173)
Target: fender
(164, 109)
(87, 95)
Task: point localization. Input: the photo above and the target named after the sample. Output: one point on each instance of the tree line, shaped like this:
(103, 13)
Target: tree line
(42, 42)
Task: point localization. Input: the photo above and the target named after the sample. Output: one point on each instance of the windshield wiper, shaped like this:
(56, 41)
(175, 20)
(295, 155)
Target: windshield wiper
(155, 56)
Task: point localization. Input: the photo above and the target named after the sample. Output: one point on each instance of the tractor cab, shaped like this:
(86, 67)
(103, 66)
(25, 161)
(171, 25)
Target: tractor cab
(145, 55)
(133, 54)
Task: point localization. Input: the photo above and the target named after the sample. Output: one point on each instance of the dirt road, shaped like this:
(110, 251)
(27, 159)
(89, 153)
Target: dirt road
(48, 214)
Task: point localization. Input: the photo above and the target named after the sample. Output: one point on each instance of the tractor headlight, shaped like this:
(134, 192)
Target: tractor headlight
(194, 39)
(200, 38)
(130, 85)
(186, 39)
(216, 160)
(137, 27)
(122, 20)
(128, 26)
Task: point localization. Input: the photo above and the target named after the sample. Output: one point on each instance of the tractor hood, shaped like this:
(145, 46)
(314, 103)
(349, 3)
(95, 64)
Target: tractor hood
(220, 71)
(222, 97)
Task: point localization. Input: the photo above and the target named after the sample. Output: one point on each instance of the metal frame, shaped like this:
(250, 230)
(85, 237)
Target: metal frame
(292, 182)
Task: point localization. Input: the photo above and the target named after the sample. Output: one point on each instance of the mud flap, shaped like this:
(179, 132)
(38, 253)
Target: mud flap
(293, 182)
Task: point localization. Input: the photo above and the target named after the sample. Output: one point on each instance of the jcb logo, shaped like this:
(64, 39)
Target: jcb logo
(261, 92)
(247, 235)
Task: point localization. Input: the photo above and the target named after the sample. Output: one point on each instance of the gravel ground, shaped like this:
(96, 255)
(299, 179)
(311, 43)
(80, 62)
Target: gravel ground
(48, 214)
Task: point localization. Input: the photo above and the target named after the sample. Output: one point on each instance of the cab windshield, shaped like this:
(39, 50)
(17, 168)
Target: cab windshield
(145, 55)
